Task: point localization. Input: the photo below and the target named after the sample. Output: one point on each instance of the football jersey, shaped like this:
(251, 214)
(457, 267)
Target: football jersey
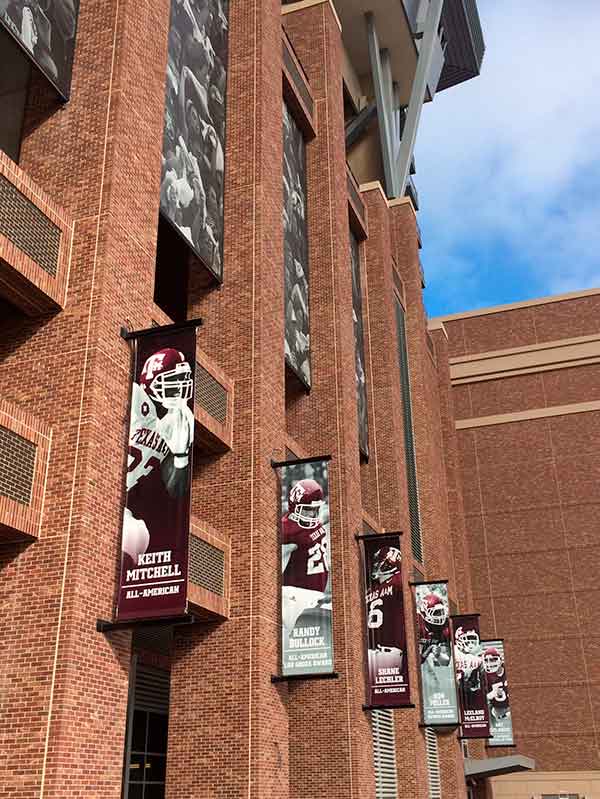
(497, 683)
(308, 565)
(147, 448)
(147, 497)
(384, 624)
(433, 633)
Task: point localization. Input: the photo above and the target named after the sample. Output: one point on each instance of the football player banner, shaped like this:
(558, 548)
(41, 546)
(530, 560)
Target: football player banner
(45, 30)
(438, 685)
(306, 611)
(470, 676)
(156, 519)
(387, 662)
(496, 685)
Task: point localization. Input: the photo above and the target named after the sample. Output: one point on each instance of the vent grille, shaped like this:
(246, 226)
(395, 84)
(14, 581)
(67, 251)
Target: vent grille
(207, 566)
(210, 394)
(416, 538)
(152, 689)
(299, 80)
(17, 464)
(28, 228)
(433, 764)
(384, 754)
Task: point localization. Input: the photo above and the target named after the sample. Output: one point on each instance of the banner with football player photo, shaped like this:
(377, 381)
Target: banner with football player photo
(45, 30)
(496, 685)
(470, 676)
(387, 678)
(306, 611)
(438, 684)
(156, 519)
(193, 155)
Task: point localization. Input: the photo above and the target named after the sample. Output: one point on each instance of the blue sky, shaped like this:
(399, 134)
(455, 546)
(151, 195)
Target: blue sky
(508, 164)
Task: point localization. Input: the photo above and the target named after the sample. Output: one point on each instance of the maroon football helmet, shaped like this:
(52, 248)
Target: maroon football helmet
(433, 609)
(305, 502)
(386, 563)
(492, 660)
(167, 377)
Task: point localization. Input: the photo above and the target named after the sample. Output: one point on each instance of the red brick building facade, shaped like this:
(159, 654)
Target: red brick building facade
(78, 262)
(525, 389)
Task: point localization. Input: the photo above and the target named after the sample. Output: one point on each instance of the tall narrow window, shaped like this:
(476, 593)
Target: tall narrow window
(384, 754)
(433, 764)
(147, 728)
(295, 242)
(416, 538)
(359, 349)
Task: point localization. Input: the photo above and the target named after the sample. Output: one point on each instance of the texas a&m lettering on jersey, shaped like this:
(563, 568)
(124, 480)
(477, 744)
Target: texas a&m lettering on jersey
(386, 634)
(307, 646)
(154, 539)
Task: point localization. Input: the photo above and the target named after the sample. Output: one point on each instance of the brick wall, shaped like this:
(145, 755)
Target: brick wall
(531, 510)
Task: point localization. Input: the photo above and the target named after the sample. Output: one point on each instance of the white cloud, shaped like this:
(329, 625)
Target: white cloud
(509, 163)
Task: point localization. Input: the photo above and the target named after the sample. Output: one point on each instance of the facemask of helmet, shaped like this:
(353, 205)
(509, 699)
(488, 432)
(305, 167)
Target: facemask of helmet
(492, 662)
(172, 387)
(307, 515)
(435, 613)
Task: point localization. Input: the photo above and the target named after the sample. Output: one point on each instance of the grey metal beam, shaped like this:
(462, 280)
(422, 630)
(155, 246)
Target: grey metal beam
(357, 126)
(382, 99)
(417, 95)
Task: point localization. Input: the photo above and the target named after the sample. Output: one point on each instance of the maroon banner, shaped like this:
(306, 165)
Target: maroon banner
(156, 520)
(387, 683)
(470, 677)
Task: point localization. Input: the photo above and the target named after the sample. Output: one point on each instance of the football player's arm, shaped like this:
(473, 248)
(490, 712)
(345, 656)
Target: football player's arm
(286, 554)
(177, 429)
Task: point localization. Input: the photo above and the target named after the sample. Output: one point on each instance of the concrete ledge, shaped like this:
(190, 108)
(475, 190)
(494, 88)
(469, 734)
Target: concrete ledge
(494, 766)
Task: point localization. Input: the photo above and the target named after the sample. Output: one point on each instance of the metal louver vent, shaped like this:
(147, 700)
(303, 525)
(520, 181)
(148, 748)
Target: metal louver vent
(152, 689)
(416, 538)
(210, 394)
(207, 566)
(17, 465)
(28, 228)
(433, 764)
(384, 754)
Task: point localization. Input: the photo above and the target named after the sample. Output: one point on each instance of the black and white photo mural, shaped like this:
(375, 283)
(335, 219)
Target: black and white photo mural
(295, 242)
(359, 349)
(45, 29)
(193, 159)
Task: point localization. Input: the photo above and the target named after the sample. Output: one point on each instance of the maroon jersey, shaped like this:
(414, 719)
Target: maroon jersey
(383, 622)
(497, 686)
(433, 633)
(308, 566)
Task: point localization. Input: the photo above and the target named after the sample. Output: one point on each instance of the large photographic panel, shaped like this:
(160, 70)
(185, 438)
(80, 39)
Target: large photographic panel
(46, 30)
(438, 684)
(359, 349)
(193, 162)
(498, 698)
(470, 676)
(295, 243)
(306, 610)
(387, 661)
(156, 518)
